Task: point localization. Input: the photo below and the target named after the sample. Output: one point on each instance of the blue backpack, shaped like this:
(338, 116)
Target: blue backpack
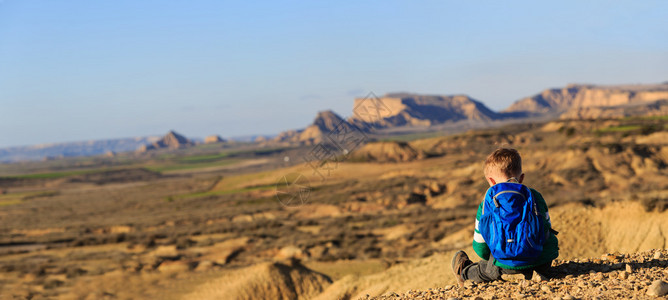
(511, 225)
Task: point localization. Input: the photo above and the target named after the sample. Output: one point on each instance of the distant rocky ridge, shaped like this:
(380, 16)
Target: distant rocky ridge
(325, 122)
(84, 148)
(421, 112)
(108, 148)
(576, 96)
(647, 109)
(394, 110)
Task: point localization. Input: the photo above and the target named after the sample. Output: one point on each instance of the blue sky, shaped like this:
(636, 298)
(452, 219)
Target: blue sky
(79, 70)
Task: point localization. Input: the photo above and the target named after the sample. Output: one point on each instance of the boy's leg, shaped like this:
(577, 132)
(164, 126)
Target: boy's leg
(485, 271)
(482, 271)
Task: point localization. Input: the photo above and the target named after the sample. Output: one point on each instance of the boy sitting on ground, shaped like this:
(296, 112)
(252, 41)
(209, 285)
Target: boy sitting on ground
(513, 233)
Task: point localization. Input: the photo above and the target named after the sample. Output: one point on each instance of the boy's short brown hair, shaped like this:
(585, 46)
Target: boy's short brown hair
(506, 160)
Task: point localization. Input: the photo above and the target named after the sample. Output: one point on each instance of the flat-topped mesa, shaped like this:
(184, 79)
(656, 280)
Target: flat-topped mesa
(575, 96)
(402, 109)
(212, 139)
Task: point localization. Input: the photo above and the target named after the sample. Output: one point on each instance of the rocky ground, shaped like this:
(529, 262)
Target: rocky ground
(641, 275)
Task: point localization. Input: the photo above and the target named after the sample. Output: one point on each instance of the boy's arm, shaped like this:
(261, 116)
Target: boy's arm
(551, 246)
(542, 206)
(479, 245)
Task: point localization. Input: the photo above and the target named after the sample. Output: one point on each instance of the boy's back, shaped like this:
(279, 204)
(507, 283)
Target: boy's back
(549, 249)
(513, 213)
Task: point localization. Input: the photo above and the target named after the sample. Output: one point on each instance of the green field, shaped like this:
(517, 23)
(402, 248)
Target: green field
(621, 128)
(204, 158)
(16, 198)
(54, 175)
(190, 166)
(657, 118)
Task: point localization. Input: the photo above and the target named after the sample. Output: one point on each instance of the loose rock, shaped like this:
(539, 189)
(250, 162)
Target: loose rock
(623, 275)
(513, 277)
(657, 255)
(537, 277)
(629, 268)
(657, 288)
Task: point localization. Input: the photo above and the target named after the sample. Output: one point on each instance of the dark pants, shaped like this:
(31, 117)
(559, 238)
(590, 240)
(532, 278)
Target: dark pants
(485, 270)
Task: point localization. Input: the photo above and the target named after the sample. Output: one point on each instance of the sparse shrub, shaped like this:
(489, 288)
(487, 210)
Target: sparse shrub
(74, 271)
(588, 202)
(427, 253)
(205, 243)
(53, 283)
(42, 194)
(37, 270)
(415, 198)
(83, 241)
(143, 240)
(651, 204)
(615, 148)
(570, 131)
(642, 151)
(184, 242)
(7, 268)
(372, 252)
(437, 235)
(649, 129)
(117, 238)
(390, 222)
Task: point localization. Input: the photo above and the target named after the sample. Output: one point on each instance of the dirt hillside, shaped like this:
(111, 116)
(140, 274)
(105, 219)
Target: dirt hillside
(390, 151)
(277, 280)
